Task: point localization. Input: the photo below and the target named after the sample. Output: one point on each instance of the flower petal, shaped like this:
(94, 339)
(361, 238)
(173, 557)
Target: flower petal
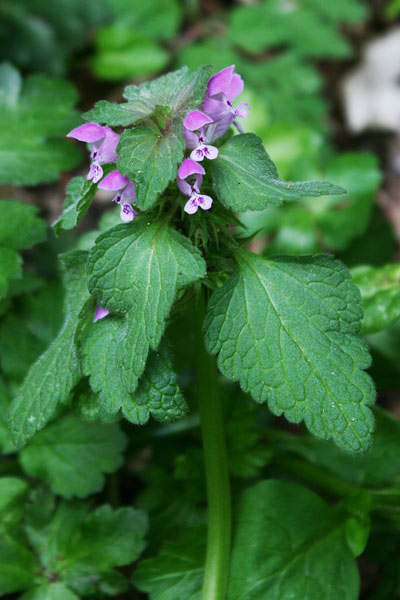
(197, 154)
(210, 152)
(189, 167)
(191, 139)
(241, 110)
(106, 152)
(218, 128)
(95, 172)
(220, 81)
(127, 213)
(113, 181)
(90, 132)
(100, 313)
(191, 205)
(235, 88)
(204, 202)
(128, 195)
(216, 108)
(196, 119)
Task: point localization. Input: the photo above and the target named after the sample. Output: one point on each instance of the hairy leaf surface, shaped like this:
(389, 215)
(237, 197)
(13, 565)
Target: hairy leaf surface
(180, 91)
(80, 193)
(149, 158)
(286, 329)
(245, 178)
(51, 378)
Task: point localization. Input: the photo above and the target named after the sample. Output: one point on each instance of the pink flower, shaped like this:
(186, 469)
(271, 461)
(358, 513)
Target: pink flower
(222, 89)
(187, 169)
(125, 195)
(196, 121)
(100, 313)
(103, 141)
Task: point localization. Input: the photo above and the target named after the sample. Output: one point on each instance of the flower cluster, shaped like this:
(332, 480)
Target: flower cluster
(103, 143)
(206, 125)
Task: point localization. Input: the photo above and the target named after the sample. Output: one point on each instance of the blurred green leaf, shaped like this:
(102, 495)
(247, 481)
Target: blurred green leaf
(122, 53)
(41, 36)
(73, 456)
(31, 124)
(380, 295)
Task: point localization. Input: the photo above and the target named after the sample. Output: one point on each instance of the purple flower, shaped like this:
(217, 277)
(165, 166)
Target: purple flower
(125, 195)
(100, 313)
(187, 169)
(103, 141)
(196, 121)
(222, 90)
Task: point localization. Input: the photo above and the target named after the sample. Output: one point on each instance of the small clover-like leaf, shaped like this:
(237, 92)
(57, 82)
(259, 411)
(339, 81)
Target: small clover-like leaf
(245, 178)
(73, 456)
(286, 329)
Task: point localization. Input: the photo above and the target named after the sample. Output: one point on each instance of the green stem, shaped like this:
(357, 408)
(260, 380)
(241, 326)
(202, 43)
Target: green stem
(216, 465)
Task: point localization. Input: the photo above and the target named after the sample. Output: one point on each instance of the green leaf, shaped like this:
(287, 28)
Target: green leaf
(377, 468)
(17, 566)
(51, 378)
(286, 329)
(140, 267)
(84, 547)
(309, 29)
(157, 394)
(136, 269)
(155, 18)
(73, 456)
(6, 443)
(80, 193)
(30, 152)
(10, 268)
(42, 36)
(245, 178)
(151, 159)
(20, 227)
(123, 53)
(331, 221)
(181, 91)
(53, 591)
(282, 529)
(178, 571)
(13, 492)
(380, 295)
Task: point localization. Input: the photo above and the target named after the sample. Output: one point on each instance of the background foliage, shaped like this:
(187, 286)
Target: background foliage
(91, 505)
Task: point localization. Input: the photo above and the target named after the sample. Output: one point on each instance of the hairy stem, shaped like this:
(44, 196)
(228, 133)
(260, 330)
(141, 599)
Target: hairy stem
(216, 465)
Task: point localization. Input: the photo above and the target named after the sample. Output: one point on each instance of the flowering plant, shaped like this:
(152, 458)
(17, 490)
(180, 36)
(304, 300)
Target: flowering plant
(285, 328)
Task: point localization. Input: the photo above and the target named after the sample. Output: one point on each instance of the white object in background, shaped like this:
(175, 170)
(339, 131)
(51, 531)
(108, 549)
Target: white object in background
(372, 91)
